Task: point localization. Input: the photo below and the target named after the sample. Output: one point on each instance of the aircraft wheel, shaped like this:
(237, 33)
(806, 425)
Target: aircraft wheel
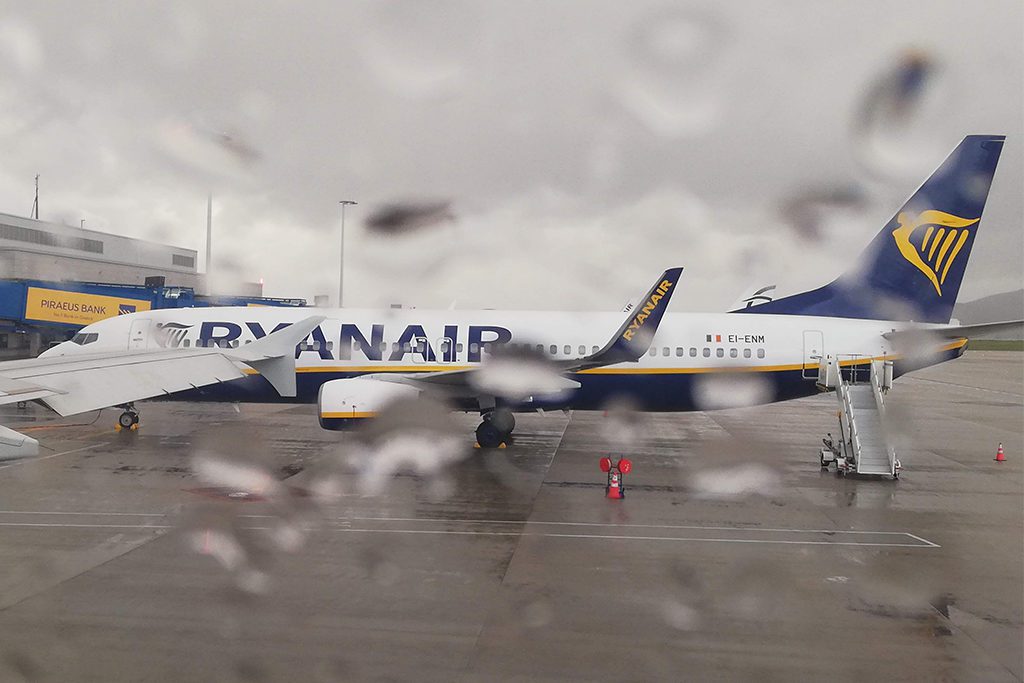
(489, 436)
(126, 419)
(502, 419)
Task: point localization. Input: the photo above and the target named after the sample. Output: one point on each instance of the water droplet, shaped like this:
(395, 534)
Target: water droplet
(236, 476)
(811, 211)
(408, 216)
(20, 44)
(538, 614)
(735, 482)
(217, 152)
(420, 50)
(897, 131)
(679, 616)
(415, 435)
(519, 373)
(673, 79)
(621, 423)
(714, 391)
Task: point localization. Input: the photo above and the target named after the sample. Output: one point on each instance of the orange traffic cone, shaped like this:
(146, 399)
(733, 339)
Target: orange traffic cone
(614, 488)
(999, 454)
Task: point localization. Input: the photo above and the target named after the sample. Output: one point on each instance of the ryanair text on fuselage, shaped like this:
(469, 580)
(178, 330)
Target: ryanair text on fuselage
(351, 340)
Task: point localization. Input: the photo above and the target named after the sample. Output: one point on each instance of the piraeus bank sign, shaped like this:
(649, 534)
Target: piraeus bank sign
(76, 308)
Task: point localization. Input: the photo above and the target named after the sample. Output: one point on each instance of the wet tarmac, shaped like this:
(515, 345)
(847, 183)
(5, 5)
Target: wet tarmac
(732, 557)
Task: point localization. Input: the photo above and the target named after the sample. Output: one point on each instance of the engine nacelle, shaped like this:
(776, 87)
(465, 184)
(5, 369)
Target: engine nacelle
(342, 403)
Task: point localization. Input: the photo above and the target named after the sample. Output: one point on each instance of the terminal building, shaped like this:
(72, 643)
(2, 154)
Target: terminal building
(56, 278)
(39, 250)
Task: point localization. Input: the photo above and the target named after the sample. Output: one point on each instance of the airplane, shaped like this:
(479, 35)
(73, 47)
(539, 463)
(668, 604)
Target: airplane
(354, 362)
(104, 376)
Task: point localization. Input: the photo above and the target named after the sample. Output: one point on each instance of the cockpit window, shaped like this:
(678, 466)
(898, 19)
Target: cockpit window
(83, 338)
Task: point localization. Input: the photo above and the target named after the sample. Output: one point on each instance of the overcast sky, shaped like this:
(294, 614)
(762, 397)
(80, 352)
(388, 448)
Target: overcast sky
(584, 146)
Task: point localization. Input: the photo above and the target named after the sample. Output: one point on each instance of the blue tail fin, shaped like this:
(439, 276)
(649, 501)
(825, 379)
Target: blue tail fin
(912, 269)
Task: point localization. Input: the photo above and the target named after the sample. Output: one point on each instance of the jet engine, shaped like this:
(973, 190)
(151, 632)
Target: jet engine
(342, 403)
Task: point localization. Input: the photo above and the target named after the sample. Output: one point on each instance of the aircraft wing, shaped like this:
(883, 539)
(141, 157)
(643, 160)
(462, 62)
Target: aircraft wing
(628, 345)
(77, 383)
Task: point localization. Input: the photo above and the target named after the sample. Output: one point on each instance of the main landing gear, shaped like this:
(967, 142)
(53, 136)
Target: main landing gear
(496, 428)
(129, 419)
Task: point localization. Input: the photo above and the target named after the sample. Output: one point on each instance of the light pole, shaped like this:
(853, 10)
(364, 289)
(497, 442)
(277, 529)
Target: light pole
(341, 264)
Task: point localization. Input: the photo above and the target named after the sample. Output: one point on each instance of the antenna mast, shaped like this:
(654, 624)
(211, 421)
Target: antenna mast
(35, 202)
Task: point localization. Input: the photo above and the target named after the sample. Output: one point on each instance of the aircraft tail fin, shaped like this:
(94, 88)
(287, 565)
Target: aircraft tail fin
(913, 268)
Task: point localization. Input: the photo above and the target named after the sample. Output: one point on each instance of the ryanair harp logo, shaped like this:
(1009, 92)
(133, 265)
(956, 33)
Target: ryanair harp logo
(170, 335)
(943, 236)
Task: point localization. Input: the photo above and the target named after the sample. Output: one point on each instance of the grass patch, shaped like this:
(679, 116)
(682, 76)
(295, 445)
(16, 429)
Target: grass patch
(996, 345)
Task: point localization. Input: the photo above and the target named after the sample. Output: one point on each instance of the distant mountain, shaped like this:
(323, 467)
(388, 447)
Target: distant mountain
(990, 309)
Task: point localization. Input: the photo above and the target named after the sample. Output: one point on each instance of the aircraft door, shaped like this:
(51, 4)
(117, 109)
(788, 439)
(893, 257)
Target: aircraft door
(814, 351)
(420, 350)
(445, 350)
(138, 336)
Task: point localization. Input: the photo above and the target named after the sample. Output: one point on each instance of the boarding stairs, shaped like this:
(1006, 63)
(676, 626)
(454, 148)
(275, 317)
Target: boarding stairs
(864, 447)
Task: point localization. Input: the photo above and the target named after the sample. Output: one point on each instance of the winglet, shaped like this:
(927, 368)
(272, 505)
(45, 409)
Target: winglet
(273, 356)
(634, 337)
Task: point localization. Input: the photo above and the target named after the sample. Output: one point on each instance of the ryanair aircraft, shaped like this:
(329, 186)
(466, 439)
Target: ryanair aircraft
(352, 363)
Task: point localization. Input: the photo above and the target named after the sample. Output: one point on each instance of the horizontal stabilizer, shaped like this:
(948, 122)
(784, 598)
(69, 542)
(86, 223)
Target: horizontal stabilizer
(958, 331)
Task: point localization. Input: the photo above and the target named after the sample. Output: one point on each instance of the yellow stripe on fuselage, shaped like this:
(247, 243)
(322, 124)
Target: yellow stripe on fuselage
(365, 369)
(346, 416)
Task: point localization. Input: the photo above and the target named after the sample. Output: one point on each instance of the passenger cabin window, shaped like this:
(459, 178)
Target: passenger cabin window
(458, 347)
(652, 352)
(746, 353)
(693, 352)
(720, 352)
(583, 350)
(665, 351)
(707, 352)
(553, 349)
(596, 349)
(567, 350)
(733, 353)
(679, 351)
(189, 341)
(760, 353)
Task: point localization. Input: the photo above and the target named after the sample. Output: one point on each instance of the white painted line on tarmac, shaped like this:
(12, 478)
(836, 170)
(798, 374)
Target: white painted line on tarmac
(923, 540)
(616, 537)
(453, 532)
(613, 526)
(53, 455)
(55, 525)
(920, 542)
